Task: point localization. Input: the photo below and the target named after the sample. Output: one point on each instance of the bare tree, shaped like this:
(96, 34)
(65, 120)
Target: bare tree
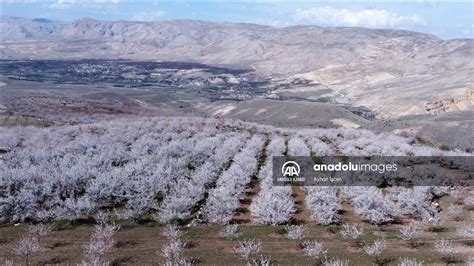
(375, 249)
(409, 262)
(445, 248)
(262, 261)
(433, 220)
(231, 230)
(455, 212)
(458, 195)
(39, 230)
(351, 231)
(7, 262)
(335, 262)
(247, 247)
(172, 251)
(27, 245)
(411, 232)
(314, 248)
(295, 231)
(470, 261)
(172, 231)
(102, 218)
(465, 231)
(469, 202)
(30, 242)
(100, 242)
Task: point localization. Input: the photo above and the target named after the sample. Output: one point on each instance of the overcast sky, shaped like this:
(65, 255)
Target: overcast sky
(445, 19)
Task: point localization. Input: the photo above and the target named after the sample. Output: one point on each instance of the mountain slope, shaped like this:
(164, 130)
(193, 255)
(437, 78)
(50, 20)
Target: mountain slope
(393, 72)
(269, 49)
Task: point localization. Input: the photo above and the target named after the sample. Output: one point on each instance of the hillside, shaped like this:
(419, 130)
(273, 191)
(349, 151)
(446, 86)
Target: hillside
(392, 72)
(269, 50)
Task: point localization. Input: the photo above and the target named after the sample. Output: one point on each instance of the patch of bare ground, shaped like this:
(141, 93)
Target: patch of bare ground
(302, 214)
(352, 249)
(141, 245)
(10, 120)
(348, 215)
(243, 214)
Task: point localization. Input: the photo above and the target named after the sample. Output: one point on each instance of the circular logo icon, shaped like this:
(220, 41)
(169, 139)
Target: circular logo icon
(290, 169)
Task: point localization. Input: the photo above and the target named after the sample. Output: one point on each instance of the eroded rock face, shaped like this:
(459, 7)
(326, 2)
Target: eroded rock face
(460, 102)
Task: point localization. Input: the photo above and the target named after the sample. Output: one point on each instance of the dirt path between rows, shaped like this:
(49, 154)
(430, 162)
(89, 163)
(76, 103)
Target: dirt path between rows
(243, 214)
(302, 214)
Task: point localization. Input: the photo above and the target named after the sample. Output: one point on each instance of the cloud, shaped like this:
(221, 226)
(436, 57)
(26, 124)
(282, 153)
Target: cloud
(17, 1)
(62, 4)
(372, 18)
(148, 16)
(65, 4)
(270, 22)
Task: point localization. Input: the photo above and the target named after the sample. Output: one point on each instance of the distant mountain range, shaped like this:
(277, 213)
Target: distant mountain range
(393, 72)
(268, 49)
